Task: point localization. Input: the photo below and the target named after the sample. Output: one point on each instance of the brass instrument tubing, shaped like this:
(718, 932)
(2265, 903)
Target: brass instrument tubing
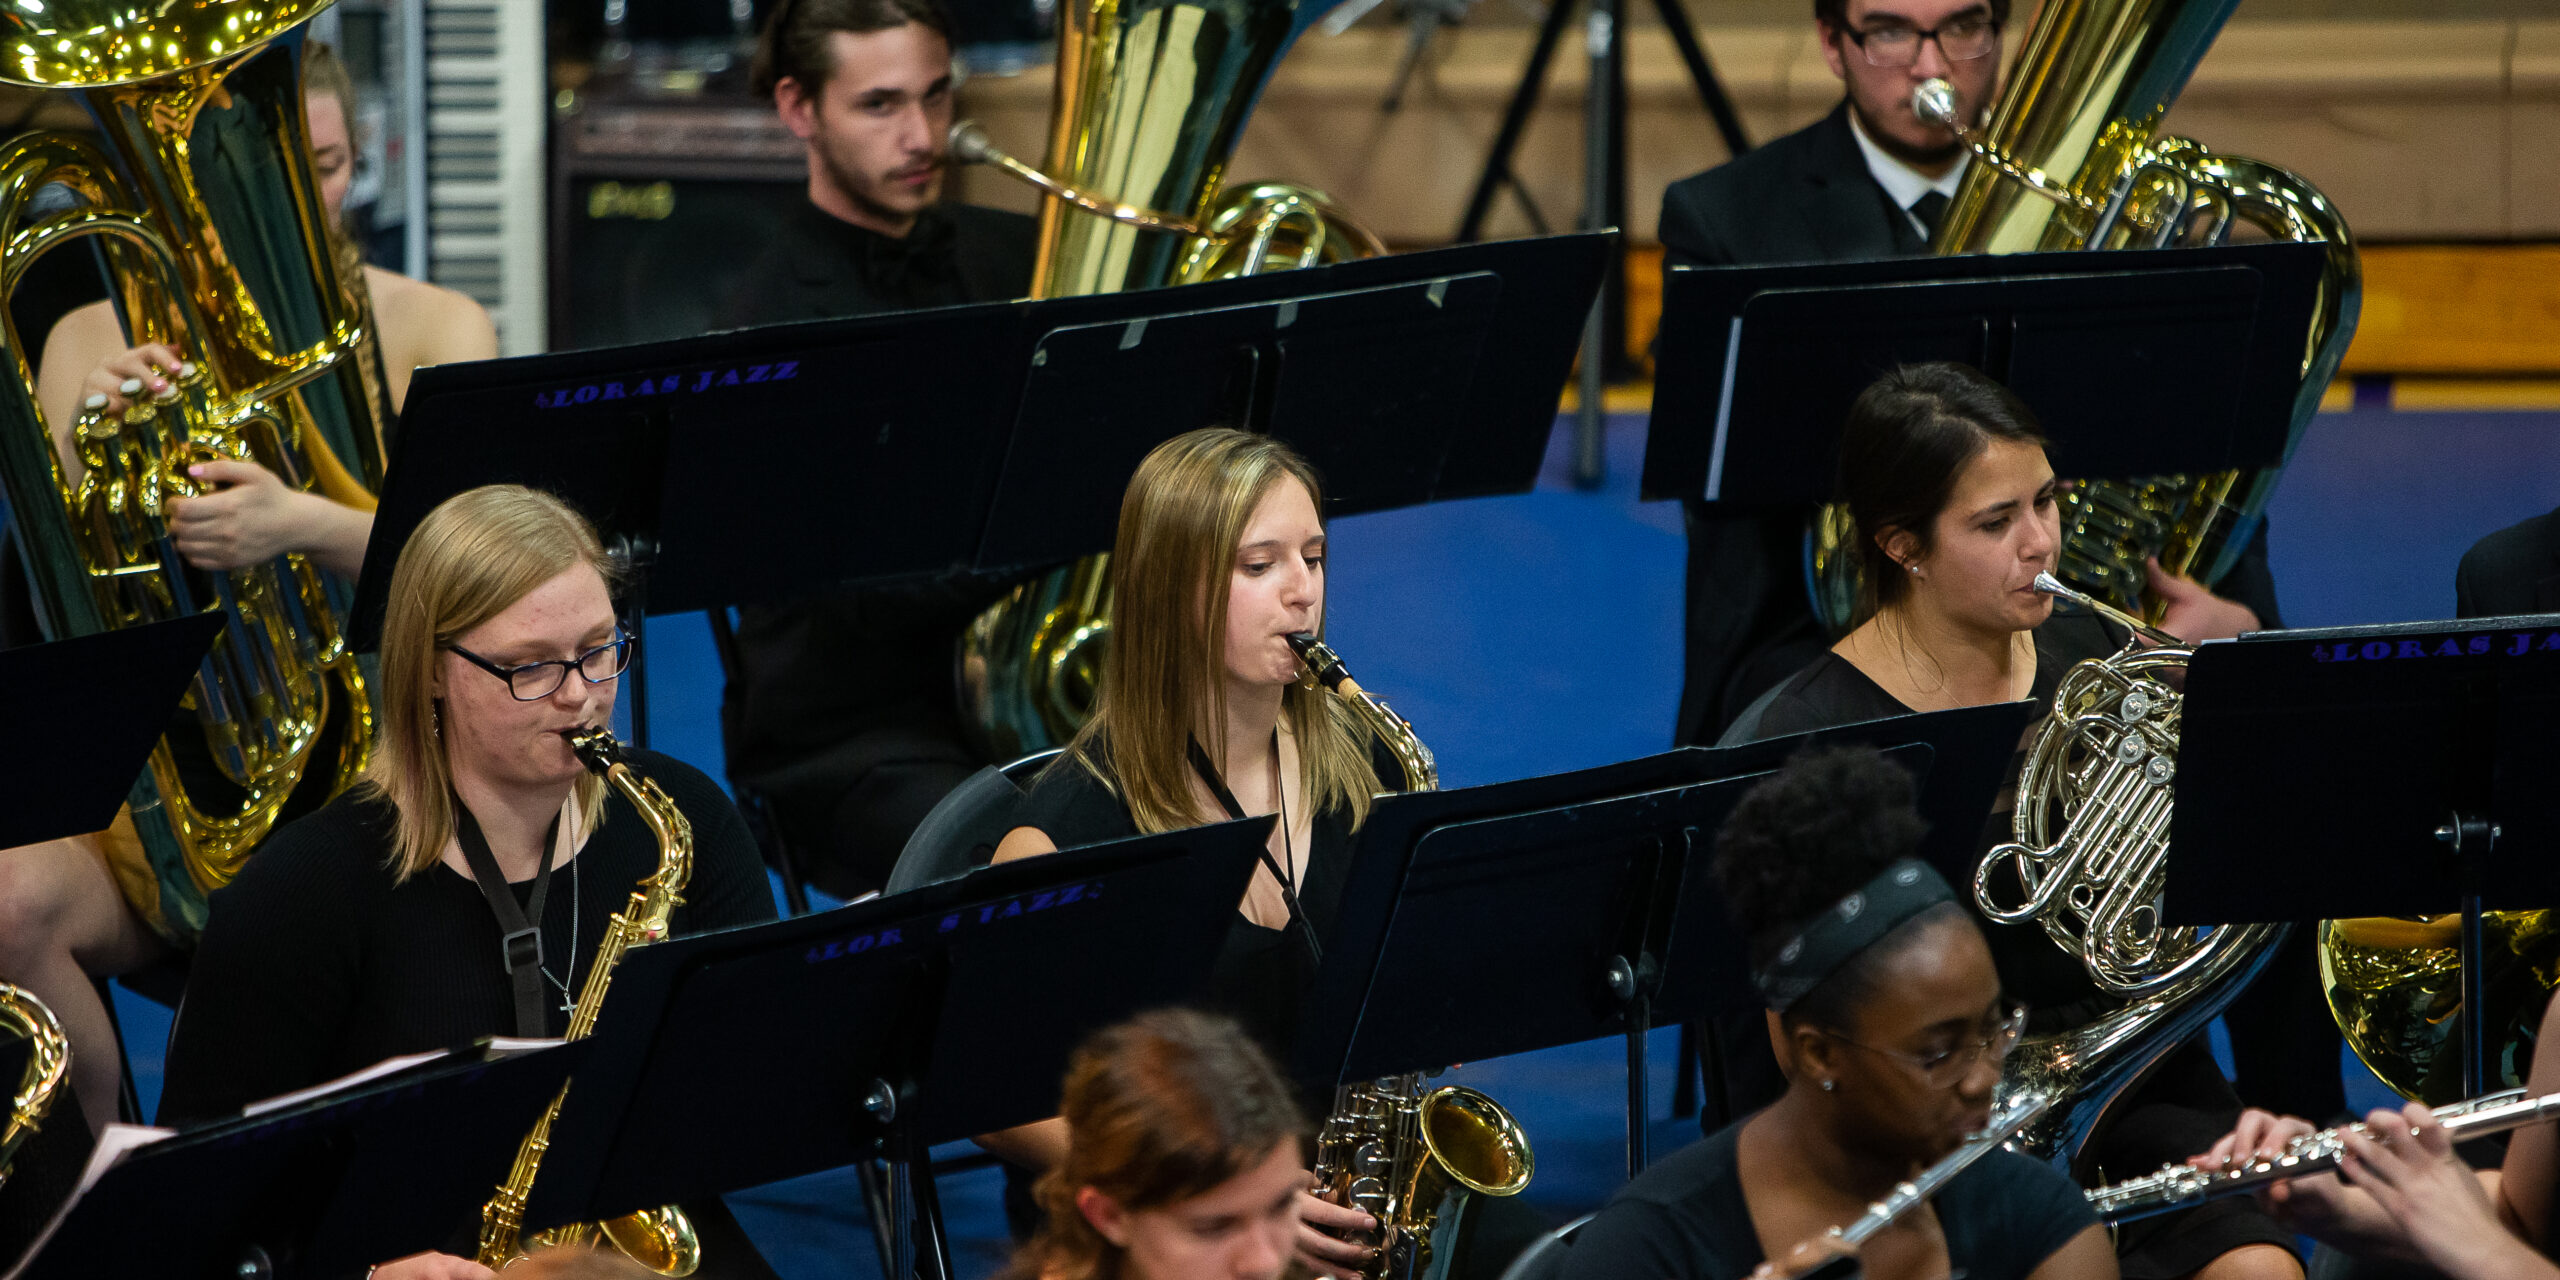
(1935, 102)
(970, 145)
(2053, 586)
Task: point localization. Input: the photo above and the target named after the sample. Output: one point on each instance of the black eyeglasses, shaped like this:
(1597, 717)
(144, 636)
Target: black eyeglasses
(1943, 1070)
(1962, 39)
(534, 681)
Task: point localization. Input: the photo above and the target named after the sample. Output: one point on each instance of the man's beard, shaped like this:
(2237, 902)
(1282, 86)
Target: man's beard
(1903, 151)
(859, 194)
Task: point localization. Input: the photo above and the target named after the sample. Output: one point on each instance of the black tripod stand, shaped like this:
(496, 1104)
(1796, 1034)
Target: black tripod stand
(1604, 171)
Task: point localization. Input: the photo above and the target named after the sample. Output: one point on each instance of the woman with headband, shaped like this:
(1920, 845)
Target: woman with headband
(1945, 475)
(1889, 1022)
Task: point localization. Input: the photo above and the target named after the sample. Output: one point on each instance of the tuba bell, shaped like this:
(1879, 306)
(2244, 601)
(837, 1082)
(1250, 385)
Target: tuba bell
(2069, 160)
(1149, 102)
(199, 190)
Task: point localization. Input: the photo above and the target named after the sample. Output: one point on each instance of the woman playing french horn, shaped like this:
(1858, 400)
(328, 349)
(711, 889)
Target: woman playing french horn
(1945, 475)
(374, 926)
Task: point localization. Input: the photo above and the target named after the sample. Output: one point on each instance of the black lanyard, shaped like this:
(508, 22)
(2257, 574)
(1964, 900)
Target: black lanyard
(519, 925)
(1208, 771)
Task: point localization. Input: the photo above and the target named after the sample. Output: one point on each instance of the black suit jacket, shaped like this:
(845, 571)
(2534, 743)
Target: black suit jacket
(1806, 197)
(2515, 570)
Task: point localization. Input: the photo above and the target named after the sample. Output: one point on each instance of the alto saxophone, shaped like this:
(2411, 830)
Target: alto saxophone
(659, 1239)
(27, 1018)
(1408, 1155)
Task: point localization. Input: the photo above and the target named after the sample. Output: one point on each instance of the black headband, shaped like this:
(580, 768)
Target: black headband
(1845, 928)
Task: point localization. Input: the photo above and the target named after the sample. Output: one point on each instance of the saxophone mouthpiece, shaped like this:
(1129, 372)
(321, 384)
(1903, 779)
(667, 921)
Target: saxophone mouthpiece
(1323, 665)
(1935, 102)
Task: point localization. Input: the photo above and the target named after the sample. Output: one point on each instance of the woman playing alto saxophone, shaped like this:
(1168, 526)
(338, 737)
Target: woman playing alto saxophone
(1221, 558)
(375, 926)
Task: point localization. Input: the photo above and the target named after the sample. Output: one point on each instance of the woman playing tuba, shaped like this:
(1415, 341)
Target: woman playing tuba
(63, 921)
(373, 927)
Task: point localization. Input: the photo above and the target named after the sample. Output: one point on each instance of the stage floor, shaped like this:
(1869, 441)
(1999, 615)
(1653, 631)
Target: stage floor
(1538, 633)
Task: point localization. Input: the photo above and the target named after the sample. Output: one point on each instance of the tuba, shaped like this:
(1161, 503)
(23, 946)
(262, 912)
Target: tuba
(2395, 987)
(2089, 863)
(1149, 102)
(2069, 161)
(23, 1017)
(659, 1239)
(1411, 1156)
(200, 193)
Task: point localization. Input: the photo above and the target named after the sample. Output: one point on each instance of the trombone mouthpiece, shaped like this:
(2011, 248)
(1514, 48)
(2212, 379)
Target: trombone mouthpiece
(970, 144)
(1935, 102)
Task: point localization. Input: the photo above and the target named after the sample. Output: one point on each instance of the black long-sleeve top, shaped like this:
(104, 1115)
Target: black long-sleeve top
(314, 964)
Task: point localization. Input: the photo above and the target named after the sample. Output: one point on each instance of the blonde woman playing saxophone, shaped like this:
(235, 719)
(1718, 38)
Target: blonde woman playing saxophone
(1221, 557)
(374, 926)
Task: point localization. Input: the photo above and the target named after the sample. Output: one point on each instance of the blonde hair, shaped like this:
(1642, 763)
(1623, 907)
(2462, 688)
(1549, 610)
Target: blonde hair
(472, 558)
(1164, 673)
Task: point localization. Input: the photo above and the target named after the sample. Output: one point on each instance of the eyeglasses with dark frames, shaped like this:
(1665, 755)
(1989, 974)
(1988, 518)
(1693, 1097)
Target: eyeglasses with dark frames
(534, 681)
(1960, 39)
(1945, 1069)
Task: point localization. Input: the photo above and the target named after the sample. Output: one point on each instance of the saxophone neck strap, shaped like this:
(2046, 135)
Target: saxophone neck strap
(1209, 777)
(519, 924)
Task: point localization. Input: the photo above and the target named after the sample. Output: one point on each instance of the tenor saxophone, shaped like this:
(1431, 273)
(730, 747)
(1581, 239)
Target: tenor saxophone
(24, 1016)
(1411, 1156)
(659, 1239)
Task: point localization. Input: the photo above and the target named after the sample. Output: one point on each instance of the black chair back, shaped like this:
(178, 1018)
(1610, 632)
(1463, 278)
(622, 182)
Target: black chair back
(961, 833)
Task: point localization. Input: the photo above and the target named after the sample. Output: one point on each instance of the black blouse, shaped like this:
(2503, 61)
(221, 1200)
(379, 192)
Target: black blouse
(1261, 975)
(2180, 1108)
(314, 964)
(1686, 1219)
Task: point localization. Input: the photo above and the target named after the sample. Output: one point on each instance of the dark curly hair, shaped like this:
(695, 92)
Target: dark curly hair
(1802, 840)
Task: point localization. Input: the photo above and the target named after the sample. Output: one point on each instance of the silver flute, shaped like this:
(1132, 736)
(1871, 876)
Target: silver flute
(1907, 1196)
(2180, 1185)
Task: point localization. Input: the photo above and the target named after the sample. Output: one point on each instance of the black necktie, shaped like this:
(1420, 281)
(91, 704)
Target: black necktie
(1930, 207)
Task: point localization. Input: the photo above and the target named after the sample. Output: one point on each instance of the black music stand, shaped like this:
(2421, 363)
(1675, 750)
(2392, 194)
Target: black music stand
(323, 1189)
(949, 1011)
(119, 689)
(2411, 761)
(2137, 363)
(749, 465)
(1502, 919)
